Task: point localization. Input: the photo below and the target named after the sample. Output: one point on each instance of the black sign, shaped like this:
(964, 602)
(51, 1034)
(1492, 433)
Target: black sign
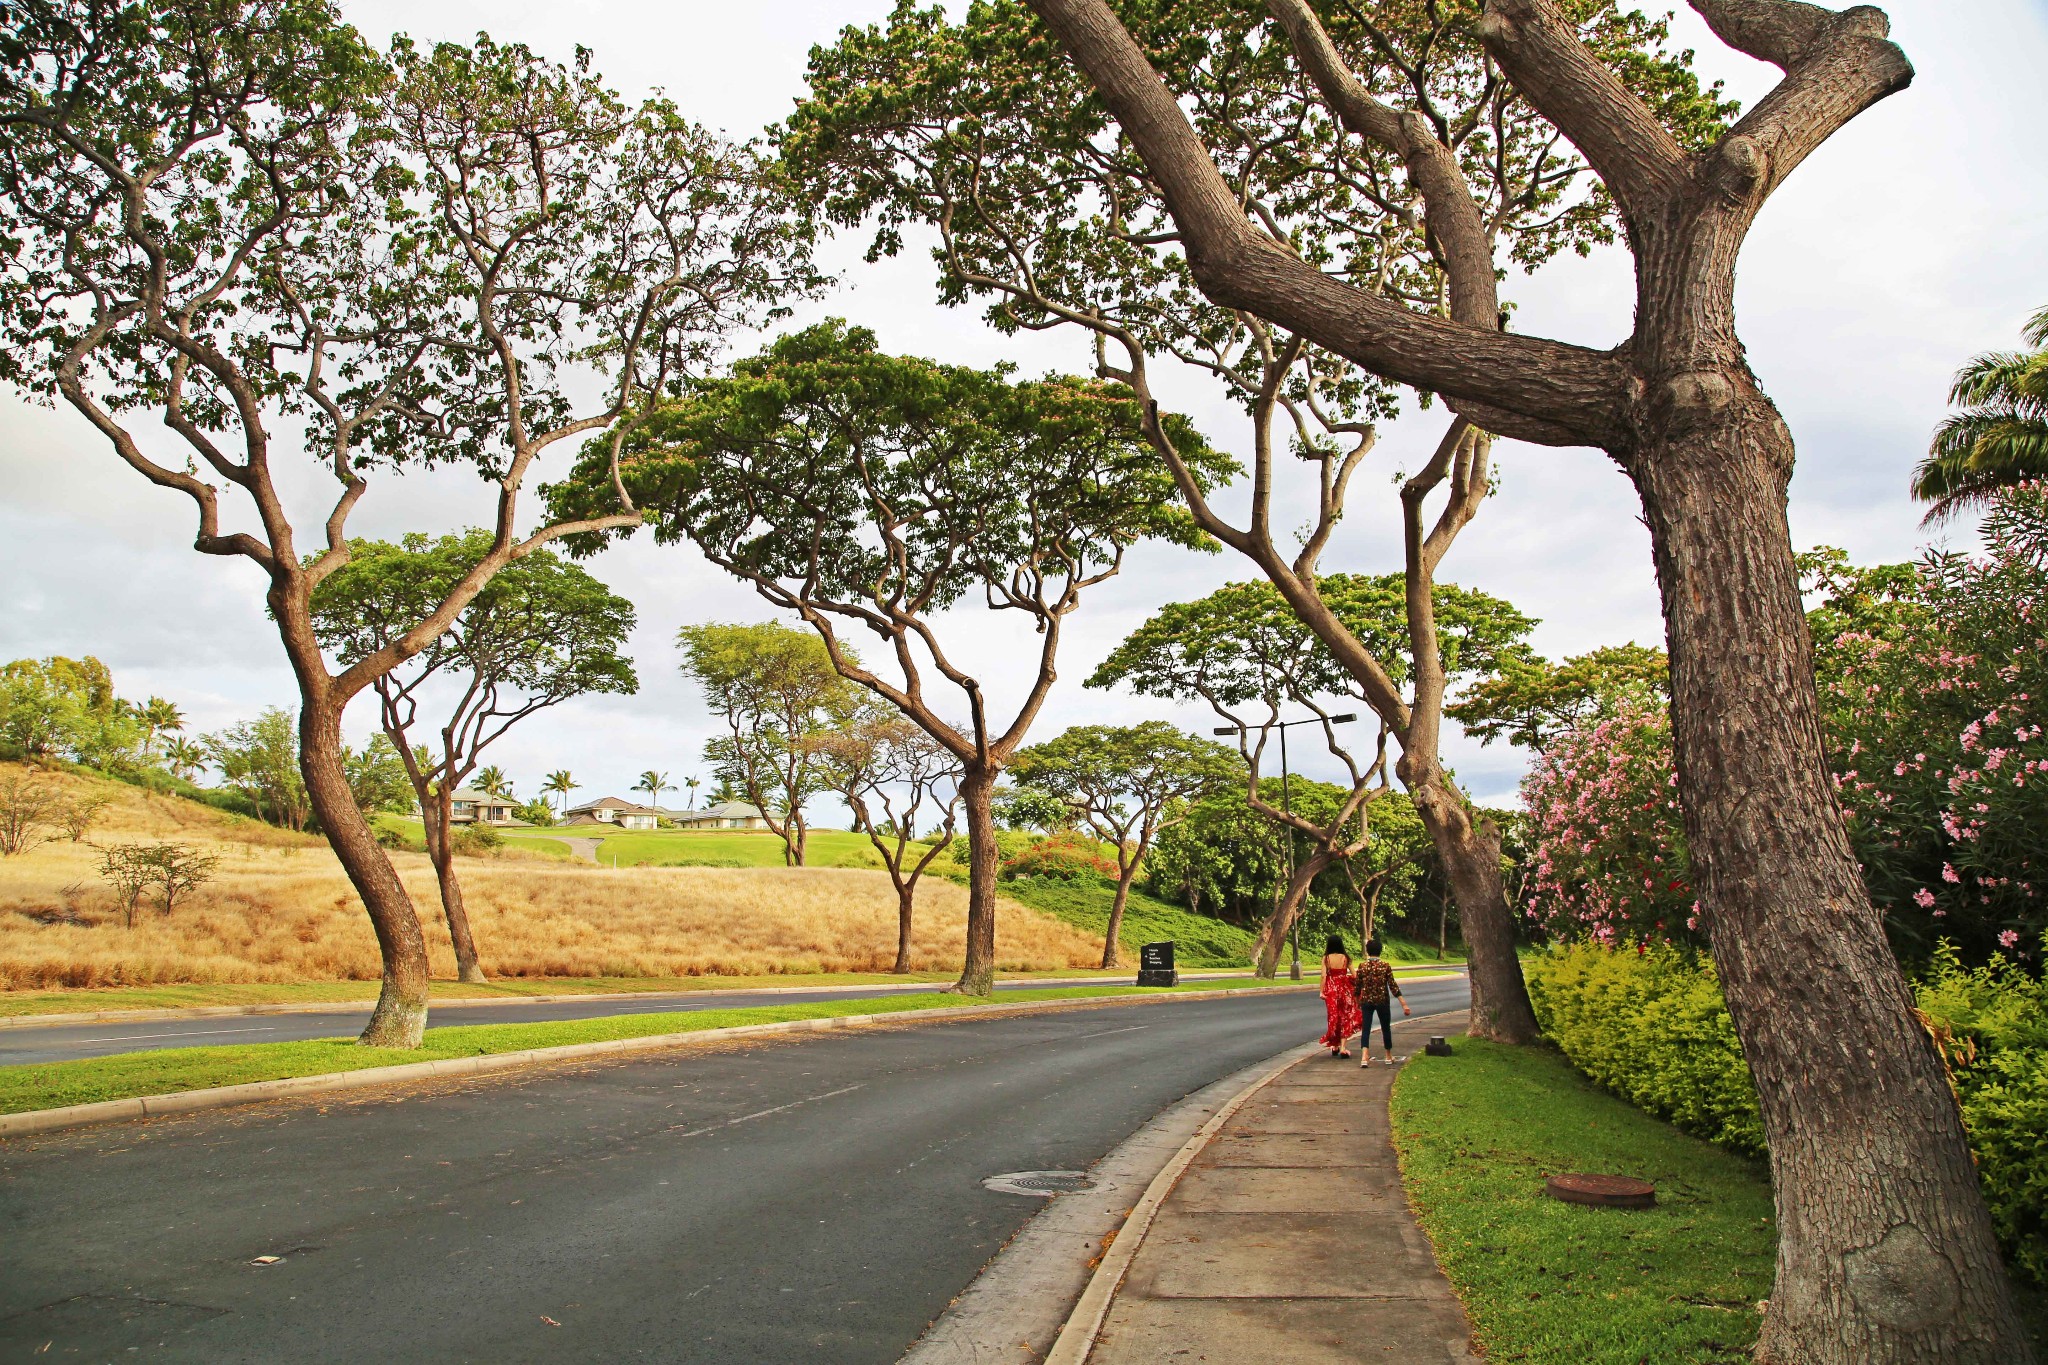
(1155, 965)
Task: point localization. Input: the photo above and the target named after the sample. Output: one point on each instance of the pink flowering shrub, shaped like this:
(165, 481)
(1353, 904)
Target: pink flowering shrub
(1607, 859)
(1933, 682)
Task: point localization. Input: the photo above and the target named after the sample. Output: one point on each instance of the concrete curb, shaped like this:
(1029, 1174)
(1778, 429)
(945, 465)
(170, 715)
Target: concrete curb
(1084, 1324)
(144, 1016)
(219, 1097)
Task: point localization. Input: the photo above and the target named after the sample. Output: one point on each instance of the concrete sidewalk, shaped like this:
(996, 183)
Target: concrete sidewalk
(1289, 1238)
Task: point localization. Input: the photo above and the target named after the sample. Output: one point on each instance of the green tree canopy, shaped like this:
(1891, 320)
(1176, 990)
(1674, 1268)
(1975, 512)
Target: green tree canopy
(861, 490)
(1529, 700)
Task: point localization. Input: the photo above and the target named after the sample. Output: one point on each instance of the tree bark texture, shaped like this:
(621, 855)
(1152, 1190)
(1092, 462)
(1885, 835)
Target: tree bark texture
(400, 1019)
(1885, 1249)
(1111, 955)
(977, 797)
(440, 830)
(1273, 934)
(906, 898)
(1470, 852)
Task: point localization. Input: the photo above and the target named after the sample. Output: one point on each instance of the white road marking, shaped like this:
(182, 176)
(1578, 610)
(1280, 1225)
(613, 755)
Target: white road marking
(749, 1118)
(190, 1033)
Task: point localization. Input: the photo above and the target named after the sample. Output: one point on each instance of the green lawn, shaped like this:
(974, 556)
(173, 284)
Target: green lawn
(170, 1070)
(1551, 1282)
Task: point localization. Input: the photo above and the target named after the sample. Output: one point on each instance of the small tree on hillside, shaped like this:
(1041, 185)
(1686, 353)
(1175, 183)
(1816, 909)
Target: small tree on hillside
(857, 489)
(540, 632)
(233, 220)
(895, 779)
(29, 807)
(260, 759)
(1127, 783)
(778, 692)
(1246, 652)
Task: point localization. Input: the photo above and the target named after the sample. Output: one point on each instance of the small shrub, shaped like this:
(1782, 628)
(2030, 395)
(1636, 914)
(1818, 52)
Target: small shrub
(78, 817)
(29, 807)
(170, 870)
(478, 841)
(1064, 857)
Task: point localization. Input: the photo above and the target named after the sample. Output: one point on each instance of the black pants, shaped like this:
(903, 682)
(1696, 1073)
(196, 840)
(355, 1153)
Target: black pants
(1385, 1010)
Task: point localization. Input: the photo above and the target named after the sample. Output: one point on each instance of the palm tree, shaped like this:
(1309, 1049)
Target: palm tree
(2000, 438)
(692, 783)
(185, 758)
(158, 717)
(492, 781)
(561, 784)
(654, 784)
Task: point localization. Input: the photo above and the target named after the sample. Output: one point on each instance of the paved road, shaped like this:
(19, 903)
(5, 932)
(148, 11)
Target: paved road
(816, 1198)
(69, 1042)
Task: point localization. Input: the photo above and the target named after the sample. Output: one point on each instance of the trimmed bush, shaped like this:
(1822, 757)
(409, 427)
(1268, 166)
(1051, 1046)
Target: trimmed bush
(1652, 1028)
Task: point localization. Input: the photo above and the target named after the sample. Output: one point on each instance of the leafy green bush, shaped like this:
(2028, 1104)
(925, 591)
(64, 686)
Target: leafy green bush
(1064, 857)
(1653, 1028)
(1993, 1025)
(478, 841)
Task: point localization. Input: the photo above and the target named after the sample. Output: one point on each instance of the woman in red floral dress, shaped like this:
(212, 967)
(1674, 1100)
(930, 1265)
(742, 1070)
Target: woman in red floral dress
(1340, 1000)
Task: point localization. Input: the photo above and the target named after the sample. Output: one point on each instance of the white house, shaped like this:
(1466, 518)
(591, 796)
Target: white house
(612, 811)
(724, 815)
(468, 807)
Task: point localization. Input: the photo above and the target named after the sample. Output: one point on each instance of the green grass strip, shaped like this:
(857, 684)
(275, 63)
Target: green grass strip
(166, 1071)
(1546, 1281)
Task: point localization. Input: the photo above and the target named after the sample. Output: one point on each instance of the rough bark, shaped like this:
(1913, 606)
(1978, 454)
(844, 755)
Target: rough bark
(1273, 934)
(1110, 939)
(400, 1019)
(906, 898)
(1470, 852)
(1885, 1250)
(435, 813)
(977, 798)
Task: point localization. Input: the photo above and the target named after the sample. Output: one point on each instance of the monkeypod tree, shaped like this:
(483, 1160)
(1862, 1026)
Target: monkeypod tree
(869, 492)
(538, 633)
(1532, 701)
(1246, 652)
(894, 777)
(1043, 210)
(779, 694)
(231, 220)
(1126, 783)
(1886, 1253)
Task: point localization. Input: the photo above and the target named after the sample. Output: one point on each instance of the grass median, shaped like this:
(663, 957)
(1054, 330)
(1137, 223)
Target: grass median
(1546, 1281)
(171, 1070)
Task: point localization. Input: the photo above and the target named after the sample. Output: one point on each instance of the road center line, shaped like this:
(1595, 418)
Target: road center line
(187, 1033)
(749, 1118)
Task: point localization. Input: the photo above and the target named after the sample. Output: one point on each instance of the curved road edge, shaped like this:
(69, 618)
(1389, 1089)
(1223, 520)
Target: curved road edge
(218, 1097)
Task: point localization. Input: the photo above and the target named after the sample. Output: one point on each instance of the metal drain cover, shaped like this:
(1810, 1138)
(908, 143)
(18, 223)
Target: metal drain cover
(1042, 1184)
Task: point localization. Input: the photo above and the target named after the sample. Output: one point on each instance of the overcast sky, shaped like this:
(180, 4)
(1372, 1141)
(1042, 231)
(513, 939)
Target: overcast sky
(1915, 238)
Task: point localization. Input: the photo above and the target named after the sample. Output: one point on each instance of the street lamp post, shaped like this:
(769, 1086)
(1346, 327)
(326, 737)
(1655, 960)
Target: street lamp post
(1287, 806)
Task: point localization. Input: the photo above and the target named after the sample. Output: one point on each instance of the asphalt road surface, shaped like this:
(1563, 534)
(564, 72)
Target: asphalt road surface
(70, 1042)
(813, 1198)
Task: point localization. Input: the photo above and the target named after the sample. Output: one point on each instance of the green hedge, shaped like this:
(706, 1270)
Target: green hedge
(1653, 1029)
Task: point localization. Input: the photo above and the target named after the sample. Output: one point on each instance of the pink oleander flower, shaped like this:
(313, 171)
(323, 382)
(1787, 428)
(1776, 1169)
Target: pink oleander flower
(1924, 898)
(2008, 938)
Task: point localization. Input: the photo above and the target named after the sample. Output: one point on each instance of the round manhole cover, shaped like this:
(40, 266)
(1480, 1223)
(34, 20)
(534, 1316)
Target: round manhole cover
(1042, 1184)
(1602, 1191)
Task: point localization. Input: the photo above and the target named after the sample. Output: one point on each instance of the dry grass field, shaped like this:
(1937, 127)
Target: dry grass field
(280, 910)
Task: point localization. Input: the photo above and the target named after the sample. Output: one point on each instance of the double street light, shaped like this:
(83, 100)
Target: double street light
(1287, 805)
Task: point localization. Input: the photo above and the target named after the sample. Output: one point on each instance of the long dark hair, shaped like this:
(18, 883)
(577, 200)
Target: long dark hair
(1335, 945)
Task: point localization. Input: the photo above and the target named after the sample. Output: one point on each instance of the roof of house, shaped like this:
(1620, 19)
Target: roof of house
(724, 810)
(614, 803)
(471, 794)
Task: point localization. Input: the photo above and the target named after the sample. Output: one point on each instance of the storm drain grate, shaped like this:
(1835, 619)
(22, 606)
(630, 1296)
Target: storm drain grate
(1043, 1184)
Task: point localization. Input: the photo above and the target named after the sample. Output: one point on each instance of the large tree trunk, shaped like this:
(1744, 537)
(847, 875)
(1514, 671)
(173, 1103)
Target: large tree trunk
(1273, 935)
(400, 1018)
(1885, 1248)
(1110, 938)
(440, 830)
(977, 796)
(1470, 852)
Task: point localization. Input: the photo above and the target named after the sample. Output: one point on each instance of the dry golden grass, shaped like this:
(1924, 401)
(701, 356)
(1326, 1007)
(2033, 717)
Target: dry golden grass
(279, 910)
